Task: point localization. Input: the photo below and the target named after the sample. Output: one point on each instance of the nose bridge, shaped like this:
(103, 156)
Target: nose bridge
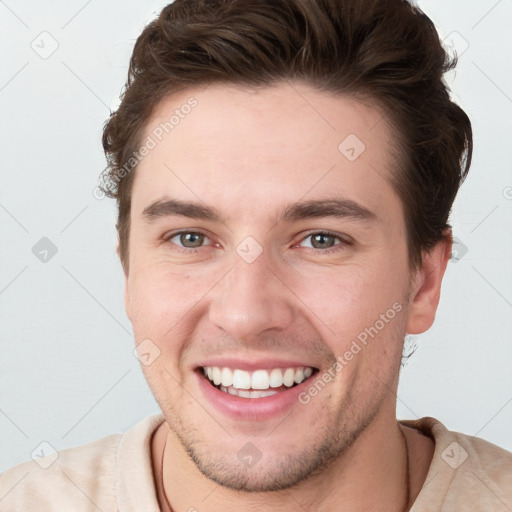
(251, 299)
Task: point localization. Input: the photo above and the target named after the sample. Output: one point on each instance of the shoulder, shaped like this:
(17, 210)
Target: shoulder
(96, 476)
(488, 470)
(465, 470)
(484, 458)
(65, 479)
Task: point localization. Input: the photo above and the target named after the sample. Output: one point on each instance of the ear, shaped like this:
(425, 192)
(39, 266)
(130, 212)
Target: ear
(426, 286)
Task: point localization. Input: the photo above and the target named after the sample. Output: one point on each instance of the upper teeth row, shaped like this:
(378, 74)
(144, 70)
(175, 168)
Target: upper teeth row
(259, 379)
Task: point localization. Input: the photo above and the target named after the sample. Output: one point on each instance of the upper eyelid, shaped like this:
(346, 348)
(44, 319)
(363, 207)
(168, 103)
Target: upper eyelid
(172, 234)
(341, 236)
(167, 237)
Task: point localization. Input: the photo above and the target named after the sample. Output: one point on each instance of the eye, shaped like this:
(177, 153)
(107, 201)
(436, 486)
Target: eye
(188, 239)
(323, 240)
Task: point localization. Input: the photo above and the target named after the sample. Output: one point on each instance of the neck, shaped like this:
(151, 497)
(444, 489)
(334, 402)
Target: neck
(373, 475)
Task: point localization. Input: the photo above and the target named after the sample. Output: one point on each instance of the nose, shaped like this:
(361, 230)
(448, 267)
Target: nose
(251, 299)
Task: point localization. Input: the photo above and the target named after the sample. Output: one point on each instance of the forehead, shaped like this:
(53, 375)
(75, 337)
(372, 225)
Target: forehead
(241, 147)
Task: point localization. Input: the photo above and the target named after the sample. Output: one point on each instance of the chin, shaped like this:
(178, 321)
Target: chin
(252, 470)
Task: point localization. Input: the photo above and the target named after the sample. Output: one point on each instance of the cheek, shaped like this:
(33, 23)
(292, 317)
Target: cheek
(162, 299)
(346, 301)
(149, 298)
(162, 311)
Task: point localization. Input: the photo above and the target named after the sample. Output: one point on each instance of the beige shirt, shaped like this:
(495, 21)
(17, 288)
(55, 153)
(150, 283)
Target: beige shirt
(115, 474)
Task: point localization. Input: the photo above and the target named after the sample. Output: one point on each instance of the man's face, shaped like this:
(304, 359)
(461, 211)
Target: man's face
(263, 289)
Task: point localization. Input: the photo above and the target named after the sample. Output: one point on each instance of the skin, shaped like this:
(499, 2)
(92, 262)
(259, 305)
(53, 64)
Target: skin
(249, 154)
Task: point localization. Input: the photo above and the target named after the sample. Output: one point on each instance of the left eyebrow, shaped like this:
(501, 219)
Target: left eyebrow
(340, 208)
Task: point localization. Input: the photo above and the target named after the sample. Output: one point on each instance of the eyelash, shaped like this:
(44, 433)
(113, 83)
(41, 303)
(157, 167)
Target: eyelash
(179, 248)
(344, 241)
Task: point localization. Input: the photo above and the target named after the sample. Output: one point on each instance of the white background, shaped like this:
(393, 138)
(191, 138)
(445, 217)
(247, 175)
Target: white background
(67, 372)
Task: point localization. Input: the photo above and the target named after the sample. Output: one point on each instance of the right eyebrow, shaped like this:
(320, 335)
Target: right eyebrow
(169, 207)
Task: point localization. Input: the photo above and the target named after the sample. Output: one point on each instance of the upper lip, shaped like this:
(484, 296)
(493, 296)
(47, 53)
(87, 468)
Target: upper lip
(252, 365)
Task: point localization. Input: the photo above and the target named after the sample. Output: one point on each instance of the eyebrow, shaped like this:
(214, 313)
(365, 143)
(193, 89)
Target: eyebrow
(338, 208)
(171, 207)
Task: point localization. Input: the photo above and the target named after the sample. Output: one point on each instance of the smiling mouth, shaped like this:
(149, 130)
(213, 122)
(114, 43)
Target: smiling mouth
(259, 383)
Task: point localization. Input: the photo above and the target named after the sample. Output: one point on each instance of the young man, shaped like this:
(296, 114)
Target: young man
(284, 171)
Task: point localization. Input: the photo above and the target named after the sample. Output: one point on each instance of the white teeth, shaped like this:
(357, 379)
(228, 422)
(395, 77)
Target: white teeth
(299, 376)
(276, 378)
(216, 375)
(227, 377)
(248, 394)
(235, 379)
(241, 379)
(260, 379)
(289, 377)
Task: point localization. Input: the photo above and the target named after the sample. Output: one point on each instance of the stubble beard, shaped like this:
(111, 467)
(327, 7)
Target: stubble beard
(318, 452)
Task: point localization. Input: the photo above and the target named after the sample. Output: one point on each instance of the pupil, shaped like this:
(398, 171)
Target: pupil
(192, 239)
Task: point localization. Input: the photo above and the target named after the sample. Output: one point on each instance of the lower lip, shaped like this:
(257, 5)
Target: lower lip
(252, 409)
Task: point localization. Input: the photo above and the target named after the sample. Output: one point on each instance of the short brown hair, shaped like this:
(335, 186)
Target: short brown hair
(387, 51)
